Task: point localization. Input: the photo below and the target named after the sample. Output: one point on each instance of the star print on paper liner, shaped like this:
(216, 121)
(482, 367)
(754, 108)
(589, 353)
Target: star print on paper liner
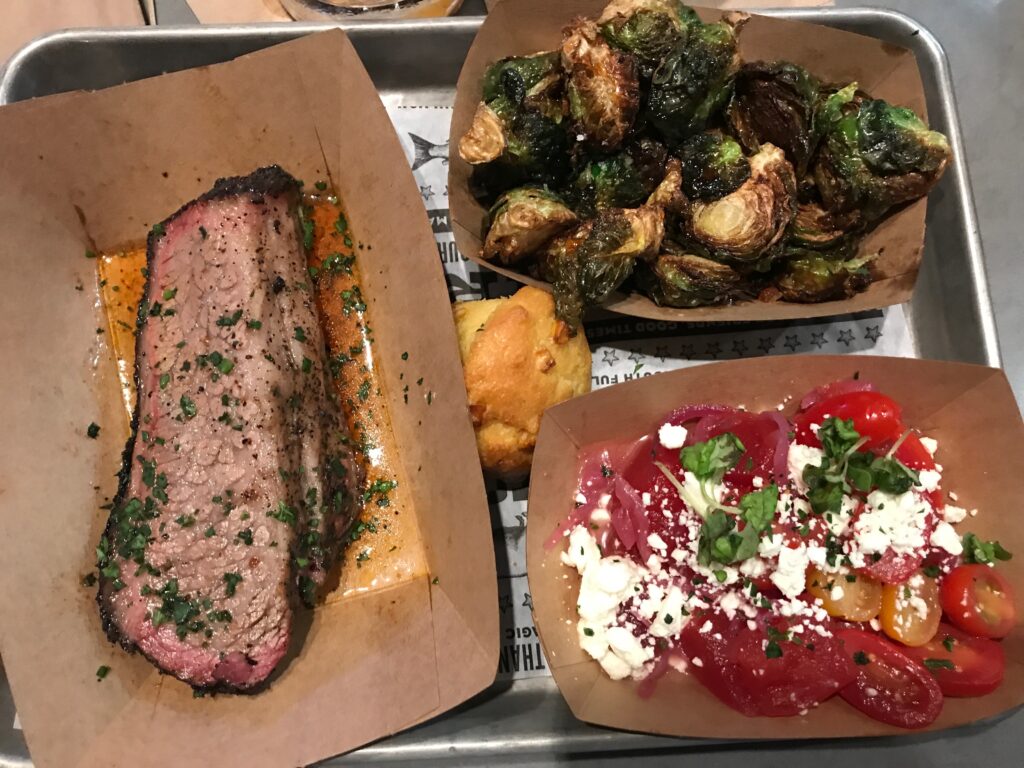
(873, 333)
(817, 339)
(426, 192)
(845, 337)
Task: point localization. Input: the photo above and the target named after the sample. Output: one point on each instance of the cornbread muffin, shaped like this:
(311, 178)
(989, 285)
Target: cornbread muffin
(518, 361)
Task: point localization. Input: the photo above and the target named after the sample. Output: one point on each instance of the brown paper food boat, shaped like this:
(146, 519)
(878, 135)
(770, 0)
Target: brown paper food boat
(887, 71)
(96, 170)
(969, 409)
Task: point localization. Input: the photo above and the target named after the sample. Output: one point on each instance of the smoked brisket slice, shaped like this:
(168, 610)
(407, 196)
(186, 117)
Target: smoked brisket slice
(237, 486)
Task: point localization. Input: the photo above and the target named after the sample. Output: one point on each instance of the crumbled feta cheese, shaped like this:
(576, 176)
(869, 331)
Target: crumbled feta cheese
(729, 602)
(888, 522)
(953, 496)
(706, 627)
(836, 594)
(929, 479)
(645, 497)
(770, 546)
(657, 542)
(677, 663)
(753, 567)
(669, 619)
(758, 482)
(696, 661)
(580, 498)
(650, 605)
(944, 537)
(919, 605)
(790, 575)
(930, 445)
(799, 457)
(671, 436)
(952, 514)
(875, 625)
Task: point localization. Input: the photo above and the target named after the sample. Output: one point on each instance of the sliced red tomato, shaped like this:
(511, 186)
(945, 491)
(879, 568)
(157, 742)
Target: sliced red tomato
(979, 600)
(710, 656)
(875, 416)
(804, 675)
(963, 666)
(730, 660)
(889, 686)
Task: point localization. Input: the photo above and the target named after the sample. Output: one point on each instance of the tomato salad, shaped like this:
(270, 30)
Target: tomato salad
(782, 562)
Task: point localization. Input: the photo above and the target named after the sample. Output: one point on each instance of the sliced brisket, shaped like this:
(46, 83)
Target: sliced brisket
(237, 486)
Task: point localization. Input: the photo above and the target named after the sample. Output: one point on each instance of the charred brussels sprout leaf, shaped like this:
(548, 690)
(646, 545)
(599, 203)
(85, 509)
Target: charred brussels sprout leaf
(693, 82)
(524, 81)
(649, 29)
(523, 220)
(536, 151)
(775, 103)
(812, 277)
(876, 156)
(713, 166)
(815, 228)
(686, 280)
(745, 224)
(621, 180)
(585, 266)
(602, 86)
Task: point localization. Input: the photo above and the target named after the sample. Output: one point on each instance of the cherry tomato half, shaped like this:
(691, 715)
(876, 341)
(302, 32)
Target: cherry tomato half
(857, 600)
(910, 611)
(875, 416)
(890, 686)
(979, 600)
(963, 666)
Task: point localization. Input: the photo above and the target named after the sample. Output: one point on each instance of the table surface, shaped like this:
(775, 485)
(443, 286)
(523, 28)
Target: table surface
(983, 39)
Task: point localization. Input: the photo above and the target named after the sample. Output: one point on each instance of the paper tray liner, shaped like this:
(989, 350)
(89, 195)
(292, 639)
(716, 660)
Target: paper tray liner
(969, 409)
(97, 170)
(886, 71)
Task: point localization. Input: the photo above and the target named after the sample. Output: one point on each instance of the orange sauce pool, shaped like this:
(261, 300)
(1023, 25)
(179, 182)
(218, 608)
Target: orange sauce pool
(386, 547)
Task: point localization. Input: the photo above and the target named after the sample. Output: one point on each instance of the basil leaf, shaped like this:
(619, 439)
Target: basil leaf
(758, 508)
(890, 476)
(979, 551)
(716, 526)
(712, 458)
(837, 437)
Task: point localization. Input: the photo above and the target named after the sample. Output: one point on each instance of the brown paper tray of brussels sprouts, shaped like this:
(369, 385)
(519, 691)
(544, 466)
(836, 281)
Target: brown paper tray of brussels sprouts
(684, 164)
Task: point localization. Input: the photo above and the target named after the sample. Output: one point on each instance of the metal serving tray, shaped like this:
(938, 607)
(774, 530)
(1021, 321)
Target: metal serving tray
(950, 316)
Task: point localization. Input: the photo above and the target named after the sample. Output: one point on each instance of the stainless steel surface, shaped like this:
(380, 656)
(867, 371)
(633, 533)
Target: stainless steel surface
(526, 722)
(341, 10)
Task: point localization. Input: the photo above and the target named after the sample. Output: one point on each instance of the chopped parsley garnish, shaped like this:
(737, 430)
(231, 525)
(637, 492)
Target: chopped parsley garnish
(940, 664)
(231, 581)
(284, 513)
(588, 632)
(307, 365)
(321, 185)
(985, 552)
(93, 430)
(102, 672)
(772, 650)
(253, 324)
(860, 658)
(188, 407)
(90, 254)
(165, 379)
(300, 333)
(245, 536)
(229, 320)
(947, 643)
(405, 355)
(364, 390)
(158, 230)
(170, 293)
(210, 532)
(931, 571)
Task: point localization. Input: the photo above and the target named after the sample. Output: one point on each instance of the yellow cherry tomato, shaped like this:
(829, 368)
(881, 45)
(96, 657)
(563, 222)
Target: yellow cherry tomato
(911, 611)
(846, 595)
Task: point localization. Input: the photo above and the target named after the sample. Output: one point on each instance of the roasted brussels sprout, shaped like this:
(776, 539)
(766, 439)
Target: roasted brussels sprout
(649, 29)
(518, 133)
(813, 277)
(587, 264)
(875, 155)
(602, 86)
(693, 82)
(686, 280)
(775, 103)
(713, 165)
(621, 180)
(521, 221)
(817, 229)
(511, 85)
(745, 224)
